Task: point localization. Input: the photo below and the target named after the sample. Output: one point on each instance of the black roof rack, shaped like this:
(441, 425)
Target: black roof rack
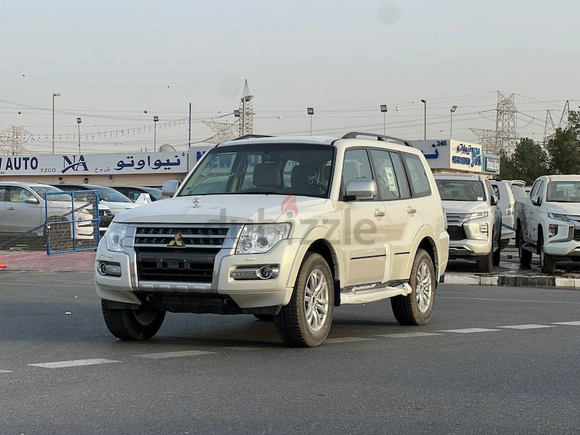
(379, 137)
(251, 136)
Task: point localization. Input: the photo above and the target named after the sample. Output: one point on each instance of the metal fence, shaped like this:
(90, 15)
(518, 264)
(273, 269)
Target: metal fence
(64, 222)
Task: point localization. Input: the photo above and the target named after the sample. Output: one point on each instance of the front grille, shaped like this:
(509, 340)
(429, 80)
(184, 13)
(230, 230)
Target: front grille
(191, 236)
(456, 218)
(456, 232)
(576, 234)
(178, 253)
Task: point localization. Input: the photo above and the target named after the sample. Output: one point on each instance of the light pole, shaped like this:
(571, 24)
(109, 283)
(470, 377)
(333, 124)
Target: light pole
(155, 119)
(54, 95)
(424, 119)
(384, 110)
(79, 127)
(310, 111)
(452, 111)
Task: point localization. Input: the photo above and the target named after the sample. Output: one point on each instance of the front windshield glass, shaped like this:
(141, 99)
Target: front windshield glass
(461, 190)
(563, 191)
(111, 195)
(43, 190)
(297, 169)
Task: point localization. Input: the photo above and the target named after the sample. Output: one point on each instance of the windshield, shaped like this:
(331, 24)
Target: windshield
(155, 193)
(111, 195)
(297, 169)
(563, 191)
(43, 190)
(461, 190)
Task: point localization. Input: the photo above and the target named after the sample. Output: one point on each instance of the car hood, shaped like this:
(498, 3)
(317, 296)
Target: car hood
(225, 209)
(571, 208)
(464, 206)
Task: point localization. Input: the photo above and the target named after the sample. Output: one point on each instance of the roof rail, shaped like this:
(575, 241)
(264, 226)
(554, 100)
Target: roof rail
(251, 136)
(379, 137)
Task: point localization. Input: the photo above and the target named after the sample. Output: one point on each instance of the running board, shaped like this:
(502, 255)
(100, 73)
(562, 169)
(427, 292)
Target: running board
(367, 294)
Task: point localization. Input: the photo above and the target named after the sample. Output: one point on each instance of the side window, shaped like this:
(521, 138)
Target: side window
(390, 176)
(535, 188)
(18, 194)
(3, 193)
(495, 191)
(417, 175)
(356, 165)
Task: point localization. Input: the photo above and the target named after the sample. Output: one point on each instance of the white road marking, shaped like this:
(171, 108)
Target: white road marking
(179, 354)
(242, 348)
(74, 363)
(5, 371)
(470, 330)
(346, 340)
(531, 326)
(408, 335)
(567, 323)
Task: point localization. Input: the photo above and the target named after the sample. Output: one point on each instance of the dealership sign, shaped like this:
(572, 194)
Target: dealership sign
(451, 154)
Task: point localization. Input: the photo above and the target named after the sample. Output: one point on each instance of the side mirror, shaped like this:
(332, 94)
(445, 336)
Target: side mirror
(31, 201)
(169, 188)
(536, 200)
(361, 189)
(493, 200)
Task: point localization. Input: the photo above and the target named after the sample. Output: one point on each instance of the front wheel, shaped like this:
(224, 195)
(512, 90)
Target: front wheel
(130, 324)
(306, 320)
(417, 307)
(497, 253)
(525, 255)
(485, 263)
(547, 263)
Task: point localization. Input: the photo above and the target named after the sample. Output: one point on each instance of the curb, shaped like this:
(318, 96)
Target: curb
(512, 280)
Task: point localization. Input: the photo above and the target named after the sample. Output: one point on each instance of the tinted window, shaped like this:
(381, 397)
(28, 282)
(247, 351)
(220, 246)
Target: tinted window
(460, 190)
(417, 175)
(390, 175)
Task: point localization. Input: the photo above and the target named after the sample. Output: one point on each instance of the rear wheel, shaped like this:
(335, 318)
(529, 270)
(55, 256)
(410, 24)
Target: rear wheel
(129, 324)
(306, 320)
(547, 263)
(525, 255)
(416, 308)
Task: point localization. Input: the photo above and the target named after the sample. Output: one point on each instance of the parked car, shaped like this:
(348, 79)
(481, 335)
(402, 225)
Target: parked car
(473, 219)
(551, 222)
(506, 203)
(282, 228)
(25, 207)
(114, 200)
(134, 192)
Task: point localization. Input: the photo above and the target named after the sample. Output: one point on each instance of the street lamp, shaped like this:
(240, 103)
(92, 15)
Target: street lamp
(79, 127)
(310, 111)
(54, 95)
(155, 119)
(384, 110)
(424, 119)
(452, 111)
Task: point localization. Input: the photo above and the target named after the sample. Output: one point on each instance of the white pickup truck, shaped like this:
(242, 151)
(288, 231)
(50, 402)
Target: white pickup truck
(551, 222)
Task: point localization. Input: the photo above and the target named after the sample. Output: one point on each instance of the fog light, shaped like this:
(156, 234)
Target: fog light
(258, 272)
(484, 229)
(552, 230)
(109, 269)
(267, 272)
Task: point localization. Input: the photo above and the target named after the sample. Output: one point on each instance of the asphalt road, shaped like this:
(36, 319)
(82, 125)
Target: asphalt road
(492, 360)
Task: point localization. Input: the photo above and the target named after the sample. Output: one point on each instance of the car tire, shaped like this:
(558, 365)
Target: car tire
(131, 324)
(547, 263)
(497, 253)
(524, 254)
(485, 263)
(416, 308)
(306, 320)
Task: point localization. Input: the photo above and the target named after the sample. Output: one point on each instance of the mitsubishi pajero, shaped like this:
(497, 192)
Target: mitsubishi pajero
(285, 229)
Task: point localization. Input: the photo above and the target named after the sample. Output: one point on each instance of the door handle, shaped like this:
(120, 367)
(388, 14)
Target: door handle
(411, 210)
(379, 213)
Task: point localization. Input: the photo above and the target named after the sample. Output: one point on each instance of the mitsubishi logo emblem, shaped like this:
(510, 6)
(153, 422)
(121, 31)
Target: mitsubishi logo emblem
(196, 202)
(176, 242)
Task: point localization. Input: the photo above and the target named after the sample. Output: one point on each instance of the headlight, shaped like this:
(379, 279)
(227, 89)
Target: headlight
(115, 237)
(559, 216)
(259, 239)
(477, 215)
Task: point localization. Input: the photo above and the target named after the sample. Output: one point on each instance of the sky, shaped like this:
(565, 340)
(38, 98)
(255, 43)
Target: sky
(116, 64)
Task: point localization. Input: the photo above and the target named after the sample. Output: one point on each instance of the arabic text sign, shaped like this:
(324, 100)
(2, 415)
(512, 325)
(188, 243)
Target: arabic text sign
(94, 164)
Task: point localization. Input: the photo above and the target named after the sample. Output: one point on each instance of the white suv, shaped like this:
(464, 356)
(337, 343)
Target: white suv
(283, 228)
(551, 221)
(473, 219)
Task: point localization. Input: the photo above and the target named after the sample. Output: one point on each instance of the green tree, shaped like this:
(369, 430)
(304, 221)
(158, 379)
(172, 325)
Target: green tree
(528, 161)
(507, 167)
(564, 150)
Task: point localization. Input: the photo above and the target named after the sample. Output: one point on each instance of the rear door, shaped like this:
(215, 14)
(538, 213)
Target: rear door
(3, 212)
